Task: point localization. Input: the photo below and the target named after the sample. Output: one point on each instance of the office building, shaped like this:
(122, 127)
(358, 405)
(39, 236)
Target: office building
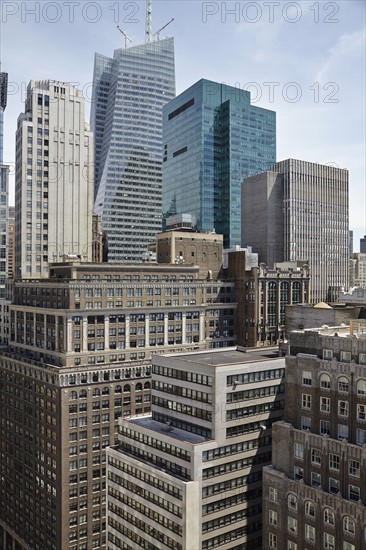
(298, 211)
(78, 357)
(213, 138)
(129, 91)
(53, 179)
(188, 476)
(314, 493)
(10, 242)
(363, 245)
(4, 187)
(350, 242)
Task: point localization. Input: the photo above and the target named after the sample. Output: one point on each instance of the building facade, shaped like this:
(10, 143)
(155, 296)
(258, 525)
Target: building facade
(78, 357)
(4, 188)
(53, 179)
(363, 245)
(129, 92)
(305, 208)
(213, 138)
(189, 475)
(314, 495)
(10, 255)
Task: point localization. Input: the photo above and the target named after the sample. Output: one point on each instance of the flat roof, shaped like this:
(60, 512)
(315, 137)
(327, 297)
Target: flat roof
(228, 356)
(166, 429)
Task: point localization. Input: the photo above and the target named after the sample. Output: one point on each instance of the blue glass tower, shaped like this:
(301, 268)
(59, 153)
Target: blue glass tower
(213, 138)
(129, 92)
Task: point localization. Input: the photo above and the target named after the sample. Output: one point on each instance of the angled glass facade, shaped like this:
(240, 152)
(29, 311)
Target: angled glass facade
(212, 139)
(129, 92)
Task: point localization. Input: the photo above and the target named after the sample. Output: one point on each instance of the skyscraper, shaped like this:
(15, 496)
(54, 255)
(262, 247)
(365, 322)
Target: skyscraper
(129, 92)
(4, 186)
(213, 138)
(298, 211)
(363, 245)
(53, 179)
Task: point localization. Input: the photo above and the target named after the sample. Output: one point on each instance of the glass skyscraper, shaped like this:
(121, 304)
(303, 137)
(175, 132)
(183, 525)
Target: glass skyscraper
(213, 138)
(129, 92)
(4, 186)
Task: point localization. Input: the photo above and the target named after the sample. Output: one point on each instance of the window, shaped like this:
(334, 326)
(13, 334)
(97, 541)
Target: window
(272, 540)
(329, 542)
(310, 508)
(291, 545)
(349, 525)
(361, 437)
(342, 431)
(334, 461)
(273, 518)
(292, 525)
(299, 451)
(343, 384)
(305, 423)
(325, 404)
(334, 485)
(348, 546)
(354, 468)
(306, 378)
(343, 408)
(306, 401)
(361, 386)
(324, 427)
(346, 356)
(315, 479)
(315, 456)
(292, 502)
(361, 412)
(327, 354)
(273, 494)
(298, 473)
(325, 381)
(353, 492)
(328, 516)
(362, 359)
(309, 533)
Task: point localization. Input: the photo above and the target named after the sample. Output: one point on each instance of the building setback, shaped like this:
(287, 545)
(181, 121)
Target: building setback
(314, 494)
(189, 475)
(78, 357)
(53, 179)
(129, 92)
(298, 211)
(213, 138)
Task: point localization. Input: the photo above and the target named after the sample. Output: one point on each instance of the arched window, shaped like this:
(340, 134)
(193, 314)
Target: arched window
(83, 394)
(147, 386)
(284, 300)
(292, 501)
(328, 516)
(343, 384)
(325, 381)
(361, 387)
(105, 391)
(296, 293)
(96, 392)
(349, 525)
(127, 388)
(138, 387)
(73, 395)
(118, 389)
(310, 508)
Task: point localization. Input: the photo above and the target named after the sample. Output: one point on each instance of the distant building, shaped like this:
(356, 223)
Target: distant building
(363, 245)
(350, 242)
(298, 211)
(189, 476)
(53, 179)
(97, 232)
(314, 494)
(129, 92)
(11, 242)
(213, 137)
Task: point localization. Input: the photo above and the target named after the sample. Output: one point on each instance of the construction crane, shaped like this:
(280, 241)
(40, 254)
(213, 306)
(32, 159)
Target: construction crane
(162, 28)
(127, 38)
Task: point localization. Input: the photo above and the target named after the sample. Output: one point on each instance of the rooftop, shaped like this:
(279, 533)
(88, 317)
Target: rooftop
(228, 356)
(160, 427)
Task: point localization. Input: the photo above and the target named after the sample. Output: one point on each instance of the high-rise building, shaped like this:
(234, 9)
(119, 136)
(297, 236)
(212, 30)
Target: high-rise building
(53, 179)
(189, 476)
(129, 92)
(350, 242)
(213, 138)
(4, 187)
(298, 211)
(11, 242)
(363, 245)
(314, 494)
(78, 357)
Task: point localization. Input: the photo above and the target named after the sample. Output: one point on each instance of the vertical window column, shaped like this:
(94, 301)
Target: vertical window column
(127, 335)
(84, 324)
(165, 329)
(45, 333)
(202, 327)
(68, 335)
(184, 328)
(147, 328)
(106, 332)
(56, 332)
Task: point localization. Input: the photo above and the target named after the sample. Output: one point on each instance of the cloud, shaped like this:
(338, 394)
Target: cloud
(346, 47)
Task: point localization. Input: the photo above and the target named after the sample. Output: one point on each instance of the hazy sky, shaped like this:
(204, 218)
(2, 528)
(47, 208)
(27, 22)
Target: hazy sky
(303, 59)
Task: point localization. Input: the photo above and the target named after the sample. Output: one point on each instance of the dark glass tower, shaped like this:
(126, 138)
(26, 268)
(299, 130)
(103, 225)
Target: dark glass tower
(129, 92)
(213, 138)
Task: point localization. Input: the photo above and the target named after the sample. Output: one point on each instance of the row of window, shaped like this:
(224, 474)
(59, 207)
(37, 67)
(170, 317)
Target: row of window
(334, 460)
(310, 536)
(345, 356)
(343, 383)
(155, 443)
(325, 406)
(255, 376)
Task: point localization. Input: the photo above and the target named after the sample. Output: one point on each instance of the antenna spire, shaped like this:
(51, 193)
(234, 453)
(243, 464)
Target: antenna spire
(148, 20)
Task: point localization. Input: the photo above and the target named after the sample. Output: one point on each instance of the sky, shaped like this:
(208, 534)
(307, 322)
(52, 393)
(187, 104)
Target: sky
(303, 59)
